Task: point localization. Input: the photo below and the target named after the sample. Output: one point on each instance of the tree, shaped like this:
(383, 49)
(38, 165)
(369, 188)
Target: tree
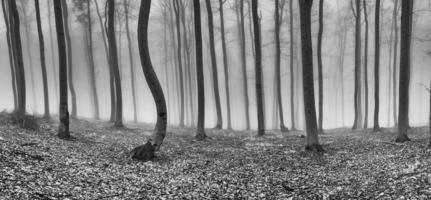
(63, 128)
(114, 63)
(319, 65)
(366, 65)
(180, 62)
(292, 76)
(219, 123)
(42, 60)
(395, 52)
(404, 81)
(225, 64)
(308, 81)
(51, 42)
(146, 152)
(377, 67)
(277, 20)
(357, 93)
(126, 5)
(200, 135)
(241, 23)
(429, 141)
(69, 58)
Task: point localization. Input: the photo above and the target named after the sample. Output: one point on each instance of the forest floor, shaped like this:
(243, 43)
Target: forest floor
(229, 165)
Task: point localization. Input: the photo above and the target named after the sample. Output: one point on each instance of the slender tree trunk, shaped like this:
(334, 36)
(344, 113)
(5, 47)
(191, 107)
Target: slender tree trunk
(146, 152)
(406, 34)
(10, 53)
(18, 57)
(357, 93)
(366, 65)
(54, 66)
(91, 62)
(341, 70)
(377, 67)
(132, 70)
(292, 76)
(308, 80)
(244, 63)
(167, 58)
(175, 61)
(219, 123)
(114, 62)
(395, 57)
(180, 62)
(258, 70)
(225, 65)
(200, 135)
(429, 140)
(63, 128)
(111, 73)
(320, 65)
(42, 60)
(391, 37)
(69, 59)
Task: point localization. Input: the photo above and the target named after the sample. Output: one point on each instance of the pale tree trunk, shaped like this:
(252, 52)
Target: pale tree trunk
(132, 68)
(377, 67)
(225, 65)
(320, 65)
(244, 62)
(180, 62)
(395, 57)
(91, 63)
(146, 152)
(308, 80)
(54, 66)
(391, 37)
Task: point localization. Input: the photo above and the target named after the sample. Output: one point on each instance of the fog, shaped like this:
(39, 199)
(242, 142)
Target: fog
(335, 12)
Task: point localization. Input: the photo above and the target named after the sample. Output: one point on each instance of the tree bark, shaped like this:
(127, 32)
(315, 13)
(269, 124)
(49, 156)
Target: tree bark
(357, 93)
(377, 67)
(91, 62)
(406, 31)
(159, 133)
(54, 66)
(308, 81)
(395, 57)
(200, 135)
(292, 75)
(63, 128)
(244, 63)
(42, 60)
(366, 65)
(320, 65)
(180, 62)
(225, 65)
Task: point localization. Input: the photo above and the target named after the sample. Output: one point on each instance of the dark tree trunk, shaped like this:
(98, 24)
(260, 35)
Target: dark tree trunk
(366, 65)
(279, 100)
(406, 34)
(91, 62)
(244, 63)
(219, 123)
(357, 93)
(42, 60)
(132, 68)
(146, 152)
(10, 53)
(429, 140)
(63, 128)
(225, 65)
(180, 62)
(200, 135)
(308, 81)
(54, 66)
(69, 59)
(17, 54)
(292, 76)
(258, 70)
(111, 73)
(320, 65)
(395, 57)
(377, 67)
(114, 63)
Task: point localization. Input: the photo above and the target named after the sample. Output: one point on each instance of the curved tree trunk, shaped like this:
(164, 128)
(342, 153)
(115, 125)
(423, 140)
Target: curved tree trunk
(200, 135)
(320, 65)
(406, 34)
(308, 81)
(146, 152)
(366, 65)
(219, 123)
(132, 67)
(63, 128)
(377, 67)
(42, 60)
(225, 65)
(91, 62)
(114, 62)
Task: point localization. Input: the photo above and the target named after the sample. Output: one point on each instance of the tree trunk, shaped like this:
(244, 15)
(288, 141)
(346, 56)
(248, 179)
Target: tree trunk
(391, 37)
(279, 100)
(10, 53)
(225, 65)
(219, 123)
(111, 73)
(180, 62)
(258, 70)
(366, 65)
(175, 61)
(18, 58)
(308, 81)
(406, 31)
(244, 63)
(132, 68)
(292, 76)
(42, 60)
(63, 128)
(320, 65)
(395, 57)
(91, 62)
(377, 67)
(357, 93)
(200, 135)
(114, 63)
(146, 152)
(54, 66)
(429, 141)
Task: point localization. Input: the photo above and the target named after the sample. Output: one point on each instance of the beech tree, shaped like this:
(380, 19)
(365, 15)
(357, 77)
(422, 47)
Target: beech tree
(366, 65)
(292, 75)
(225, 64)
(377, 67)
(357, 93)
(180, 62)
(320, 65)
(42, 60)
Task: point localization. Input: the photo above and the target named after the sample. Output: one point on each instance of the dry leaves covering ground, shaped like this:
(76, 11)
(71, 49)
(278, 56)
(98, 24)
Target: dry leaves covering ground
(230, 165)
